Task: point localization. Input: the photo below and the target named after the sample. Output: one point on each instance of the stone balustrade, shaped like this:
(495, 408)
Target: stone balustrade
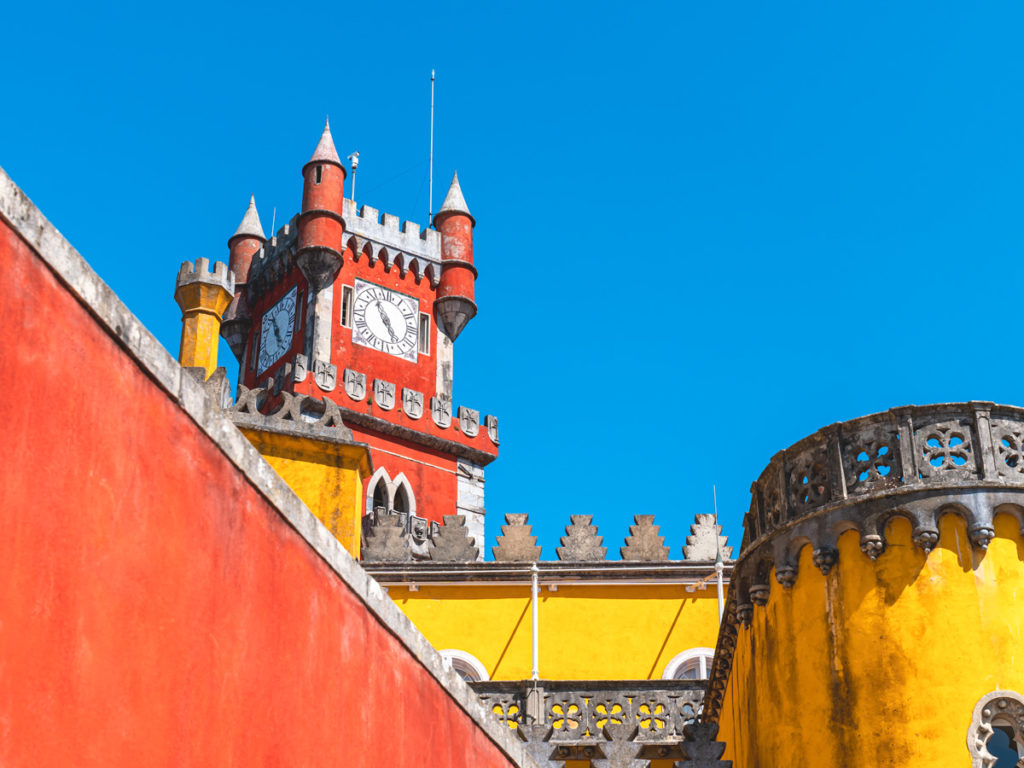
(613, 723)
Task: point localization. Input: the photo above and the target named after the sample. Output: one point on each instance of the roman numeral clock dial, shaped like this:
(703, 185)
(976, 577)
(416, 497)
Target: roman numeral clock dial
(385, 320)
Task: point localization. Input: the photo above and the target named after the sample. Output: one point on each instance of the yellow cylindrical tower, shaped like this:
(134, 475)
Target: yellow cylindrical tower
(874, 616)
(203, 296)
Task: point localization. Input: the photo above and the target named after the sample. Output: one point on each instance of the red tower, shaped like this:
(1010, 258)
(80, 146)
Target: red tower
(349, 304)
(242, 246)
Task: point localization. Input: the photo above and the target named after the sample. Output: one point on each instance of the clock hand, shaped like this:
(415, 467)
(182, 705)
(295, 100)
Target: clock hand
(273, 327)
(387, 322)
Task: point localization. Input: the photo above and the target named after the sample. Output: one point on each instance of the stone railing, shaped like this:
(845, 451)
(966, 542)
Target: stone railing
(613, 723)
(892, 455)
(914, 462)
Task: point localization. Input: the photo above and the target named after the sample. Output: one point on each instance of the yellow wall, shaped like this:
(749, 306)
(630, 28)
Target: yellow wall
(587, 632)
(327, 476)
(879, 663)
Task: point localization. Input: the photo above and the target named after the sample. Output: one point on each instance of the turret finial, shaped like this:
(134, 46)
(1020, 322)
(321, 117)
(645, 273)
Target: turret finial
(325, 151)
(454, 202)
(250, 226)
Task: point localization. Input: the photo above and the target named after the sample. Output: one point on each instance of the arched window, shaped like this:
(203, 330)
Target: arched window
(401, 500)
(694, 664)
(380, 494)
(466, 665)
(996, 737)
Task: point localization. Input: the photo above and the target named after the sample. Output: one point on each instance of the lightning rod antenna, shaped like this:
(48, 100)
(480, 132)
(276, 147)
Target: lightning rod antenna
(719, 565)
(430, 192)
(273, 221)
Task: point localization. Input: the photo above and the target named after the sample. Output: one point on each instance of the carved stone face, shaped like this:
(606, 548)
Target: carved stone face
(419, 529)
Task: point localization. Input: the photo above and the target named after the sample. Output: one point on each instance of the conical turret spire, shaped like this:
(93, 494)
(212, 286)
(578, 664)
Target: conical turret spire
(454, 202)
(250, 226)
(325, 151)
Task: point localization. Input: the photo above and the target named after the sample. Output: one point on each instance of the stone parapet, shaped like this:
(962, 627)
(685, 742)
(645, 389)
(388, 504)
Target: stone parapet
(915, 462)
(613, 723)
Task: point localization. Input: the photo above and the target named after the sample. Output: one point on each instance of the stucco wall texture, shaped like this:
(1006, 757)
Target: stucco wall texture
(492, 623)
(879, 663)
(155, 609)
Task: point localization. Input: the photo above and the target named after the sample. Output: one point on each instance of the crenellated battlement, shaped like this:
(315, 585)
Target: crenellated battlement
(200, 272)
(369, 234)
(387, 231)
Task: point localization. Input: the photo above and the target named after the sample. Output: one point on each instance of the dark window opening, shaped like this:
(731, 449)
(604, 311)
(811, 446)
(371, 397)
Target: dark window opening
(380, 497)
(346, 306)
(401, 501)
(424, 347)
(318, 174)
(1003, 747)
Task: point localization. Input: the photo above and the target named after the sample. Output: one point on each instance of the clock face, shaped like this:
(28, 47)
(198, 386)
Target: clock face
(385, 320)
(276, 331)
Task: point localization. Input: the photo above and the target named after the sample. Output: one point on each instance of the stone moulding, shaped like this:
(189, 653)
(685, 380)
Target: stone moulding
(999, 708)
(915, 462)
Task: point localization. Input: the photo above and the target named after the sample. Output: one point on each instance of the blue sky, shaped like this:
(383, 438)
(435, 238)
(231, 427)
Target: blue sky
(704, 230)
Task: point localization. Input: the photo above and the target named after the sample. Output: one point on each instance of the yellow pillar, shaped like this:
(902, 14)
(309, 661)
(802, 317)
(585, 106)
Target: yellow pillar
(203, 297)
(326, 474)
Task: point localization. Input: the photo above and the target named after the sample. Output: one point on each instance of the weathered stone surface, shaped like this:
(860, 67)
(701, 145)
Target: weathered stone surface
(701, 544)
(515, 544)
(452, 543)
(581, 541)
(385, 539)
(701, 748)
(643, 542)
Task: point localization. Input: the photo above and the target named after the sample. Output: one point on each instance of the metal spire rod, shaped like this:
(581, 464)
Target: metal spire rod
(430, 193)
(719, 565)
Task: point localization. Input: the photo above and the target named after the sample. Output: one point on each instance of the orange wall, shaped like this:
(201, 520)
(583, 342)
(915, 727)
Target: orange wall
(155, 609)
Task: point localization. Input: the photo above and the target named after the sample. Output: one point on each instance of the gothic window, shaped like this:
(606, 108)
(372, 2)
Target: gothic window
(996, 737)
(401, 500)
(467, 666)
(380, 494)
(694, 664)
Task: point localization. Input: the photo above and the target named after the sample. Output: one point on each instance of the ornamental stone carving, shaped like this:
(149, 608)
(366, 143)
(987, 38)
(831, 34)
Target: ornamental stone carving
(453, 542)
(469, 421)
(706, 541)
(412, 403)
(491, 422)
(325, 375)
(441, 410)
(300, 368)
(384, 394)
(355, 384)
(516, 544)
(613, 725)
(581, 542)
(643, 542)
(999, 709)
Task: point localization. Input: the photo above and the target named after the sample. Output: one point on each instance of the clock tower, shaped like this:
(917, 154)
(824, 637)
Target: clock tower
(349, 304)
